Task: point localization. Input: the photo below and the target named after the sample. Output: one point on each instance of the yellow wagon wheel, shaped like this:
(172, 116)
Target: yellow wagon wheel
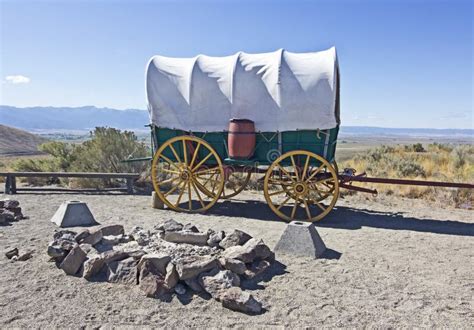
(235, 183)
(301, 185)
(181, 176)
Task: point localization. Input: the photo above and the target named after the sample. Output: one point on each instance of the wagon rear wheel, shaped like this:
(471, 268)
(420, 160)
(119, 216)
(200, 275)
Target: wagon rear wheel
(187, 174)
(236, 181)
(301, 185)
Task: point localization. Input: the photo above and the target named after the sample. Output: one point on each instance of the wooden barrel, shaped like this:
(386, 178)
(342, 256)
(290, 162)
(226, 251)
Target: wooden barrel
(241, 138)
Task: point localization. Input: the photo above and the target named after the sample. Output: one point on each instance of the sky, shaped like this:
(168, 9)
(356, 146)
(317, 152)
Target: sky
(403, 63)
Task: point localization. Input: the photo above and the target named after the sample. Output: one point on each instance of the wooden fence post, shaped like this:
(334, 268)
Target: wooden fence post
(13, 185)
(8, 185)
(130, 186)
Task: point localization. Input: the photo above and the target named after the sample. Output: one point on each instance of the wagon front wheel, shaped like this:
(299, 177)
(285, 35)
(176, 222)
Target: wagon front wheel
(301, 185)
(187, 174)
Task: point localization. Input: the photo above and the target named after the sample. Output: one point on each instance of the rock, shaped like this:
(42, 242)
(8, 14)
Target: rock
(240, 253)
(89, 250)
(6, 217)
(2, 204)
(193, 284)
(180, 289)
(114, 255)
(190, 228)
(94, 238)
(233, 265)
(190, 267)
(112, 230)
(151, 282)
(123, 271)
(237, 237)
(136, 254)
(215, 283)
(256, 268)
(169, 225)
(56, 252)
(65, 235)
(186, 237)
(172, 277)
(125, 239)
(73, 261)
(60, 247)
(11, 253)
(81, 235)
(253, 249)
(10, 203)
(17, 212)
(111, 239)
(141, 236)
(159, 261)
(237, 300)
(93, 266)
(262, 251)
(215, 239)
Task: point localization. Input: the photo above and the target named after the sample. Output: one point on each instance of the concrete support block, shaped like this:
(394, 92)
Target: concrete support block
(72, 214)
(301, 239)
(156, 202)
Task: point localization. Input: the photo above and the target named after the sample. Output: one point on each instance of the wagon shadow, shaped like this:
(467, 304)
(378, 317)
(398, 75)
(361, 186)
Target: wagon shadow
(350, 218)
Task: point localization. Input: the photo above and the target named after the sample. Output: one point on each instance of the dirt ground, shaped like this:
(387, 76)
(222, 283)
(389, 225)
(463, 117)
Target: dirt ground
(391, 263)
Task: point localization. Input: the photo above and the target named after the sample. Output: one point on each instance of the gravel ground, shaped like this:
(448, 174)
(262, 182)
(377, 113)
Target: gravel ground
(392, 263)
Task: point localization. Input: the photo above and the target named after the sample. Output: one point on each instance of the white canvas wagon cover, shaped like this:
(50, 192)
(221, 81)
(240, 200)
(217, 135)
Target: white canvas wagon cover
(279, 91)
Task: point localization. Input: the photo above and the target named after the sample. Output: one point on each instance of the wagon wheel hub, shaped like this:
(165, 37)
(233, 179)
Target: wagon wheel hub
(300, 188)
(186, 175)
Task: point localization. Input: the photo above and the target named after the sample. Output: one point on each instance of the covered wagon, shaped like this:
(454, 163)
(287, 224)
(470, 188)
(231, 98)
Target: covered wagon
(292, 103)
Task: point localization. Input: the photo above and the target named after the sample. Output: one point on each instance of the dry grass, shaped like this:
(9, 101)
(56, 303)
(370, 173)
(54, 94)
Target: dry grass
(436, 162)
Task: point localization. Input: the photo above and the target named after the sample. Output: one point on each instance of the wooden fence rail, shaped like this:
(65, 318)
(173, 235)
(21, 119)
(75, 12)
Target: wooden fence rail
(11, 188)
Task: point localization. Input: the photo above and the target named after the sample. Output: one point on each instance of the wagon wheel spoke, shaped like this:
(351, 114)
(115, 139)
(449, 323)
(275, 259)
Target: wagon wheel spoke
(170, 171)
(308, 212)
(173, 150)
(196, 151)
(202, 162)
(284, 202)
(173, 189)
(286, 172)
(314, 173)
(277, 192)
(168, 181)
(293, 211)
(305, 169)
(295, 168)
(181, 194)
(185, 153)
(198, 194)
(169, 162)
(190, 201)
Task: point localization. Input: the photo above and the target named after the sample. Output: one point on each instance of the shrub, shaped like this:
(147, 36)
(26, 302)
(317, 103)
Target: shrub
(104, 152)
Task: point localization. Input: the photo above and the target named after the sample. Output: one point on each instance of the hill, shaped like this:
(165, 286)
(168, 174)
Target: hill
(14, 141)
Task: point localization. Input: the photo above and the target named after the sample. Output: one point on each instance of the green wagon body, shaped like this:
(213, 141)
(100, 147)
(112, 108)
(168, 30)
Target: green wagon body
(269, 145)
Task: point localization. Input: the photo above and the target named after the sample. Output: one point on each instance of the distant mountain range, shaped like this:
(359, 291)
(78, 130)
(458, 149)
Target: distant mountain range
(82, 118)
(85, 118)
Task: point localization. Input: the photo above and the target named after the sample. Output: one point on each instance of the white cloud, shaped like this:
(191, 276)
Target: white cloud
(17, 79)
